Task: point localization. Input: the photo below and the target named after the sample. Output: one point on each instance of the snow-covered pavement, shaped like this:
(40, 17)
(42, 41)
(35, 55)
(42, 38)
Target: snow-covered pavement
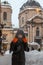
(5, 60)
(32, 58)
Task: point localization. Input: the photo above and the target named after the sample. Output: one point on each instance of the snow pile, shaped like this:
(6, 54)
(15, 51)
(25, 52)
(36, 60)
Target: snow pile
(7, 52)
(34, 43)
(32, 58)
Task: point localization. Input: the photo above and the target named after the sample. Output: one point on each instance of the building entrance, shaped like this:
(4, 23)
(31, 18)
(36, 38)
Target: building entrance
(38, 41)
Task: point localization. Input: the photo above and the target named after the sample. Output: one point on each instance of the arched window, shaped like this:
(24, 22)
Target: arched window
(4, 16)
(37, 31)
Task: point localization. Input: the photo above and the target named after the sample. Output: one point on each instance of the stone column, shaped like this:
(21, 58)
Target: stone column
(33, 25)
(33, 34)
(28, 33)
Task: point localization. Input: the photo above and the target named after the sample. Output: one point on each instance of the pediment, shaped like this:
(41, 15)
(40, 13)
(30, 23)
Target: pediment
(38, 20)
(35, 19)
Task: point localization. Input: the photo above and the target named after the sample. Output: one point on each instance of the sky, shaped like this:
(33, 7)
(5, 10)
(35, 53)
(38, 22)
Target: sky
(16, 4)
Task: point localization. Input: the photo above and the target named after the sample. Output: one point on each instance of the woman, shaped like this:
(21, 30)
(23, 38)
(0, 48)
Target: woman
(18, 46)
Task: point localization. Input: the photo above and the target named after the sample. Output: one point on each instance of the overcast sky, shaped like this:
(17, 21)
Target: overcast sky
(16, 4)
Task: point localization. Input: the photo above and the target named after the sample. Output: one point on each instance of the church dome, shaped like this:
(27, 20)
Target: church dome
(5, 3)
(30, 3)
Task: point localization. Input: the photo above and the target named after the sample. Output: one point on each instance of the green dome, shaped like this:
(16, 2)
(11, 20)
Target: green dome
(30, 3)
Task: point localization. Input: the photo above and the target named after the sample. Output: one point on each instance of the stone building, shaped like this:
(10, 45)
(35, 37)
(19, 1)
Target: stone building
(31, 21)
(7, 31)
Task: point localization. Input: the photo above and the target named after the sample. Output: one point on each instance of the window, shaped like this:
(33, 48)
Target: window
(5, 16)
(4, 36)
(22, 20)
(37, 31)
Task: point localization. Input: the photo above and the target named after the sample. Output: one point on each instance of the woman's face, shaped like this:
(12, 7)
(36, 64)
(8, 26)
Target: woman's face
(20, 36)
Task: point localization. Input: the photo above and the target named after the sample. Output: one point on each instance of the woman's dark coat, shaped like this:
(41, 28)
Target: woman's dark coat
(18, 47)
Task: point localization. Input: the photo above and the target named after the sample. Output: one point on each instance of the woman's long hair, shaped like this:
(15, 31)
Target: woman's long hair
(20, 32)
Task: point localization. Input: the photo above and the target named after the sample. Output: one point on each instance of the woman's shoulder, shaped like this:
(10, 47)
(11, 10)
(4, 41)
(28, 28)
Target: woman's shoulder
(15, 40)
(24, 40)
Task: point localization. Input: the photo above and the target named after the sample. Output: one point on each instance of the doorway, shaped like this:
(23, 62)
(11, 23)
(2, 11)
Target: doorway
(38, 41)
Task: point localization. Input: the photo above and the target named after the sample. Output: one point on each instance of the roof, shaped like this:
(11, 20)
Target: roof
(5, 3)
(31, 3)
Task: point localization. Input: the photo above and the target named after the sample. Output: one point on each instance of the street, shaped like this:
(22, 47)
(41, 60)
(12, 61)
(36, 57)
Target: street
(5, 60)
(32, 58)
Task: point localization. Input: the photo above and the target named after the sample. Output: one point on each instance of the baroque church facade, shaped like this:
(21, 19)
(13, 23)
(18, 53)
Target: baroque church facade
(31, 21)
(7, 31)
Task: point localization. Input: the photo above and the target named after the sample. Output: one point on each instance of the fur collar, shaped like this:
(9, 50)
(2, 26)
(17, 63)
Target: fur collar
(16, 39)
(24, 40)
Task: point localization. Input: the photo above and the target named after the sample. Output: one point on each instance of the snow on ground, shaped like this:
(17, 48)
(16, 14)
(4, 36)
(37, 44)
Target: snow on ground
(32, 58)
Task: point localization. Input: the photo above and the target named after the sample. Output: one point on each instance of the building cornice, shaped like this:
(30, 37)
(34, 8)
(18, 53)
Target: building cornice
(9, 29)
(29, 9)
(35, 17)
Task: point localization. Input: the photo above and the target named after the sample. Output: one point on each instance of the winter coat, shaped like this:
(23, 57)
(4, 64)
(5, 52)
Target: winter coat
(18, 47)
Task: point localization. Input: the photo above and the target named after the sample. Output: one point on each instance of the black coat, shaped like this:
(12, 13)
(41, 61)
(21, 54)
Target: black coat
(18, 48)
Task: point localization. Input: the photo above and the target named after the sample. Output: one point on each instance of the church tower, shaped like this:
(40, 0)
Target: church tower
(6, 12)
(7, 31)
